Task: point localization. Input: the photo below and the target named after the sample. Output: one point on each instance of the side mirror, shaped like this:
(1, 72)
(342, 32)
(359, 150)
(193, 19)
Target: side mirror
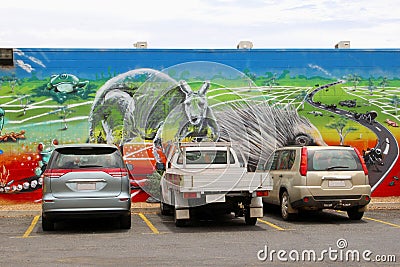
(160, 166)
(43, 168)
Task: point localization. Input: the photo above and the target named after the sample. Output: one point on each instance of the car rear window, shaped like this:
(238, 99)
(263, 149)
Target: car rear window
(86, 157)
(333, 159)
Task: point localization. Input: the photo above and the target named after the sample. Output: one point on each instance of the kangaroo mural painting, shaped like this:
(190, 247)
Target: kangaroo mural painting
(155, 96)
(197, 114)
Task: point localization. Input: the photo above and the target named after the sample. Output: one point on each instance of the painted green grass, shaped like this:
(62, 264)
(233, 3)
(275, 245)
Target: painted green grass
(216, 94)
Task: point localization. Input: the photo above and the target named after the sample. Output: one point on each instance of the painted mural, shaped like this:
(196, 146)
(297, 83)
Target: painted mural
(141, 100)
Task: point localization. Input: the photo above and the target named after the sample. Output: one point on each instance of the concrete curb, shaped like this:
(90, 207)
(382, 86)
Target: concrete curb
(384, 206)
(136, 208)
(19, 213)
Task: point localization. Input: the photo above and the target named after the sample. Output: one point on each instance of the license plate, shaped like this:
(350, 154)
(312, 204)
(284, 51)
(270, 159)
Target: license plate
(86, 186)
(336, 183)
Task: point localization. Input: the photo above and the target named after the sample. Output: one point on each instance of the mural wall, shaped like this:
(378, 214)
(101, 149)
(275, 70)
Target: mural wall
(140, 99)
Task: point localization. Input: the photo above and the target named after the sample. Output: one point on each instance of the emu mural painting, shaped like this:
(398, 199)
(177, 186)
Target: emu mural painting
(115, 101)
(116, 104)
(122, 114)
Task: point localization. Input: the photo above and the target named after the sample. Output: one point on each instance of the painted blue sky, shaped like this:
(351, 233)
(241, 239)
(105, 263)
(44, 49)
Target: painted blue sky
(199, 23)
(89, 63)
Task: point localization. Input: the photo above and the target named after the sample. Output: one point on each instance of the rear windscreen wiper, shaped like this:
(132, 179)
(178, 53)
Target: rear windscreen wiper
(336, 167)
(90, 166)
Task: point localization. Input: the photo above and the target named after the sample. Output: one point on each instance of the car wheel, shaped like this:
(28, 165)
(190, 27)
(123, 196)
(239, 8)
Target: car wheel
(47, 225)
(354, 214)
(180, 222)
(165, 209)
(285, 205)
(125, 221)
(249, 220)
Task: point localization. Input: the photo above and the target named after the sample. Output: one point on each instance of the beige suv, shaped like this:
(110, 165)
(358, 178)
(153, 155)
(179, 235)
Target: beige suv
(318, 177)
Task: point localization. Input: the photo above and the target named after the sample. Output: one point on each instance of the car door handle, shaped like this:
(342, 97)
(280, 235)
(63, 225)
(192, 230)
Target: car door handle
(280, 176)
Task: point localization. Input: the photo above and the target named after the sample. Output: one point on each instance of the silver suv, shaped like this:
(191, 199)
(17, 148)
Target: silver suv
(318, 177)
(86, 180)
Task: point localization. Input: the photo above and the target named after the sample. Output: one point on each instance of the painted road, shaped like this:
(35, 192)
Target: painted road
(386, 141)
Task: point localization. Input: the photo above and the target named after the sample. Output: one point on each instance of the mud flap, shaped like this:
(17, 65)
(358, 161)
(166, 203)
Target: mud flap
(256, 207)
(256, 212)
(182, 214)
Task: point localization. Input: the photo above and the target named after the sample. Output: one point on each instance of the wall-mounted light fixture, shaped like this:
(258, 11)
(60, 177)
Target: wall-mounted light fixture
(140, 45)
(245, 45)
(342, 45)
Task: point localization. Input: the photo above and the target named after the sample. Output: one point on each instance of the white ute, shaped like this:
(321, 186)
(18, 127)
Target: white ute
(200, 176)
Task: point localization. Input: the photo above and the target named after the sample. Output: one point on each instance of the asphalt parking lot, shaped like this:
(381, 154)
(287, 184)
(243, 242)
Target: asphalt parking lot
(210, 240)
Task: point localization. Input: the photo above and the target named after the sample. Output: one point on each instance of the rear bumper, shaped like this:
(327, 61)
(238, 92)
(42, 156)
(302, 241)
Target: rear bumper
(63, 215)
(332, 202)
(53, 208)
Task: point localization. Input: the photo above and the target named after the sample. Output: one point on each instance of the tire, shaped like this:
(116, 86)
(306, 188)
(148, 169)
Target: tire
(47, 225)
(180, 222)
(249, 220)
(285, 205)
(165, 209)
(354, 214)
(125, 221)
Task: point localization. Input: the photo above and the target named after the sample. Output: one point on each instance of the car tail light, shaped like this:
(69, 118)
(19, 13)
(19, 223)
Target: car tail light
(367, 198)
(362, 161)
(40, 147)
(190, 195)
(117, 174)
(54, 174)
(306, 199)
(262, 193)
(303, 161)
